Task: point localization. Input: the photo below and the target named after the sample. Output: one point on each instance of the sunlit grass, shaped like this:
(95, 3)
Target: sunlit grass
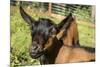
(86, 35)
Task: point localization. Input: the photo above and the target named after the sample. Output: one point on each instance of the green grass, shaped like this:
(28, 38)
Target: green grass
(86, 35)
(21, 39)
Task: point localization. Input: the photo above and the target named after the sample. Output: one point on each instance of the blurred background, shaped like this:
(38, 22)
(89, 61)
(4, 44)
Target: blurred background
(20, 32)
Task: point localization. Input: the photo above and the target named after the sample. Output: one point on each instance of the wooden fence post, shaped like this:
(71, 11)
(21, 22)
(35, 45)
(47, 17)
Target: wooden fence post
(93, 13)
(50, 8)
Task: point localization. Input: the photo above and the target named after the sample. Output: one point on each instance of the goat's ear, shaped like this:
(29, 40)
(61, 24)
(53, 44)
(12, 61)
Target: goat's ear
(26, 17)
(65, 22)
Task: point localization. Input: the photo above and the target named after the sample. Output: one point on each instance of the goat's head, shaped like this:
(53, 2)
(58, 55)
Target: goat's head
(43, 33)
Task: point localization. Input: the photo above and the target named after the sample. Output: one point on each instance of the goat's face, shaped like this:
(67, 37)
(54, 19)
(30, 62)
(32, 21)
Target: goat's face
(41, 31)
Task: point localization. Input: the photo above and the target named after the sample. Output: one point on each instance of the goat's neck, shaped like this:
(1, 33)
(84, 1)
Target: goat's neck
(50, 55)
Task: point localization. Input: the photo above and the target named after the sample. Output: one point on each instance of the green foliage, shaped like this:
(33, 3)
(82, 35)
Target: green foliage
(83, 13)
(86, 35)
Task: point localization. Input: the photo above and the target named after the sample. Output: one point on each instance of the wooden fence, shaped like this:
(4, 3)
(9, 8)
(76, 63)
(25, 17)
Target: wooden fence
(62, 9)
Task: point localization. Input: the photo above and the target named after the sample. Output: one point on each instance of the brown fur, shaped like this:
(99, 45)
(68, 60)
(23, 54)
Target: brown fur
(69, 55)
(70, 35)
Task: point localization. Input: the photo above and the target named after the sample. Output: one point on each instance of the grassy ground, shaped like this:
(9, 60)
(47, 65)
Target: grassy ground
(86, 34)
(21, 39)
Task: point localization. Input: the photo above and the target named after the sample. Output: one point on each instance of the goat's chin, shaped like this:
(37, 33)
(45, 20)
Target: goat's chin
(36, 55)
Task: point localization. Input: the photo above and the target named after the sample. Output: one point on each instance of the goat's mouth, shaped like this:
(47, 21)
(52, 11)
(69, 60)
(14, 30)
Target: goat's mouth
(35, 55)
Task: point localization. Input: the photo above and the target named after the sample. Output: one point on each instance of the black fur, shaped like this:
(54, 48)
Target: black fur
(89, 49)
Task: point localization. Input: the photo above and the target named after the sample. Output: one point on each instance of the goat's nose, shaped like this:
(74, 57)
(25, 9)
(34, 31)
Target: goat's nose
(34, 47)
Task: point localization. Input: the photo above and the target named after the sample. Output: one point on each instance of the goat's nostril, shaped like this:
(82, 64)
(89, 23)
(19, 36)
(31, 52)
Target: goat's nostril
(35, 47)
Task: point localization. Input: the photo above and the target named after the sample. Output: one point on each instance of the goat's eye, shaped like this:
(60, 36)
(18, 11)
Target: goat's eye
(52, 32)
